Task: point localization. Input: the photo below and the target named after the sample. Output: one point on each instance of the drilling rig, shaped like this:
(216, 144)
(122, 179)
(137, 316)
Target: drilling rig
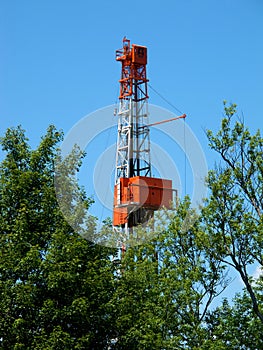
(137, 195)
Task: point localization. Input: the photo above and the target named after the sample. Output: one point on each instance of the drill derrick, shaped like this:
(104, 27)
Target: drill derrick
(133, 145)
(136, 193)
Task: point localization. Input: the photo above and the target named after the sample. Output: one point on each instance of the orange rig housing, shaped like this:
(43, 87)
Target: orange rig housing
(136, 193)
(140, 192)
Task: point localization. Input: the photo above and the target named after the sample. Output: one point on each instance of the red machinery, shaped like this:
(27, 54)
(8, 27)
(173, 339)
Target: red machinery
(136, 193)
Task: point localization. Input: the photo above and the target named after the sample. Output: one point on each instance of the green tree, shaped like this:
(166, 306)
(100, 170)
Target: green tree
(235, 326)
(233, 215)
(60, 291)
(166, 286)
(54, 284)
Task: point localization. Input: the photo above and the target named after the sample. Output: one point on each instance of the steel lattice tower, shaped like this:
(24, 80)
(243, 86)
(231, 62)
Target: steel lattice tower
(136, 193)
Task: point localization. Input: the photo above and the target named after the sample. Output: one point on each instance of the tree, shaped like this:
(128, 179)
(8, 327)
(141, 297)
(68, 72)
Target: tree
(55, 285)
(166, 286)
(61, 291)
(233, 215)
(235, 327)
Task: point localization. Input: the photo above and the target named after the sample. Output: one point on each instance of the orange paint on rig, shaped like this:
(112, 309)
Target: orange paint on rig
(140, 192)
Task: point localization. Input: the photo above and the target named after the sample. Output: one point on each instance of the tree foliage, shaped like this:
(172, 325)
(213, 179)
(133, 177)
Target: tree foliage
(61, 291)
(235, 326)
(233, 216)
(54, 285)
(166, 287)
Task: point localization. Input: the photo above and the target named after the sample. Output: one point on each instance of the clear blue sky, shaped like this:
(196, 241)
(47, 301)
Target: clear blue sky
(58, 63)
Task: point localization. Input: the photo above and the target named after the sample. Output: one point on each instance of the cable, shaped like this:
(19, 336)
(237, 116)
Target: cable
(183, 116)
(184, 161)
(165, 99)
(107, 139)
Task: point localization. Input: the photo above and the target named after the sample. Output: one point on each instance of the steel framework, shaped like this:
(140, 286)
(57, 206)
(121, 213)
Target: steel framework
(136, 194)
